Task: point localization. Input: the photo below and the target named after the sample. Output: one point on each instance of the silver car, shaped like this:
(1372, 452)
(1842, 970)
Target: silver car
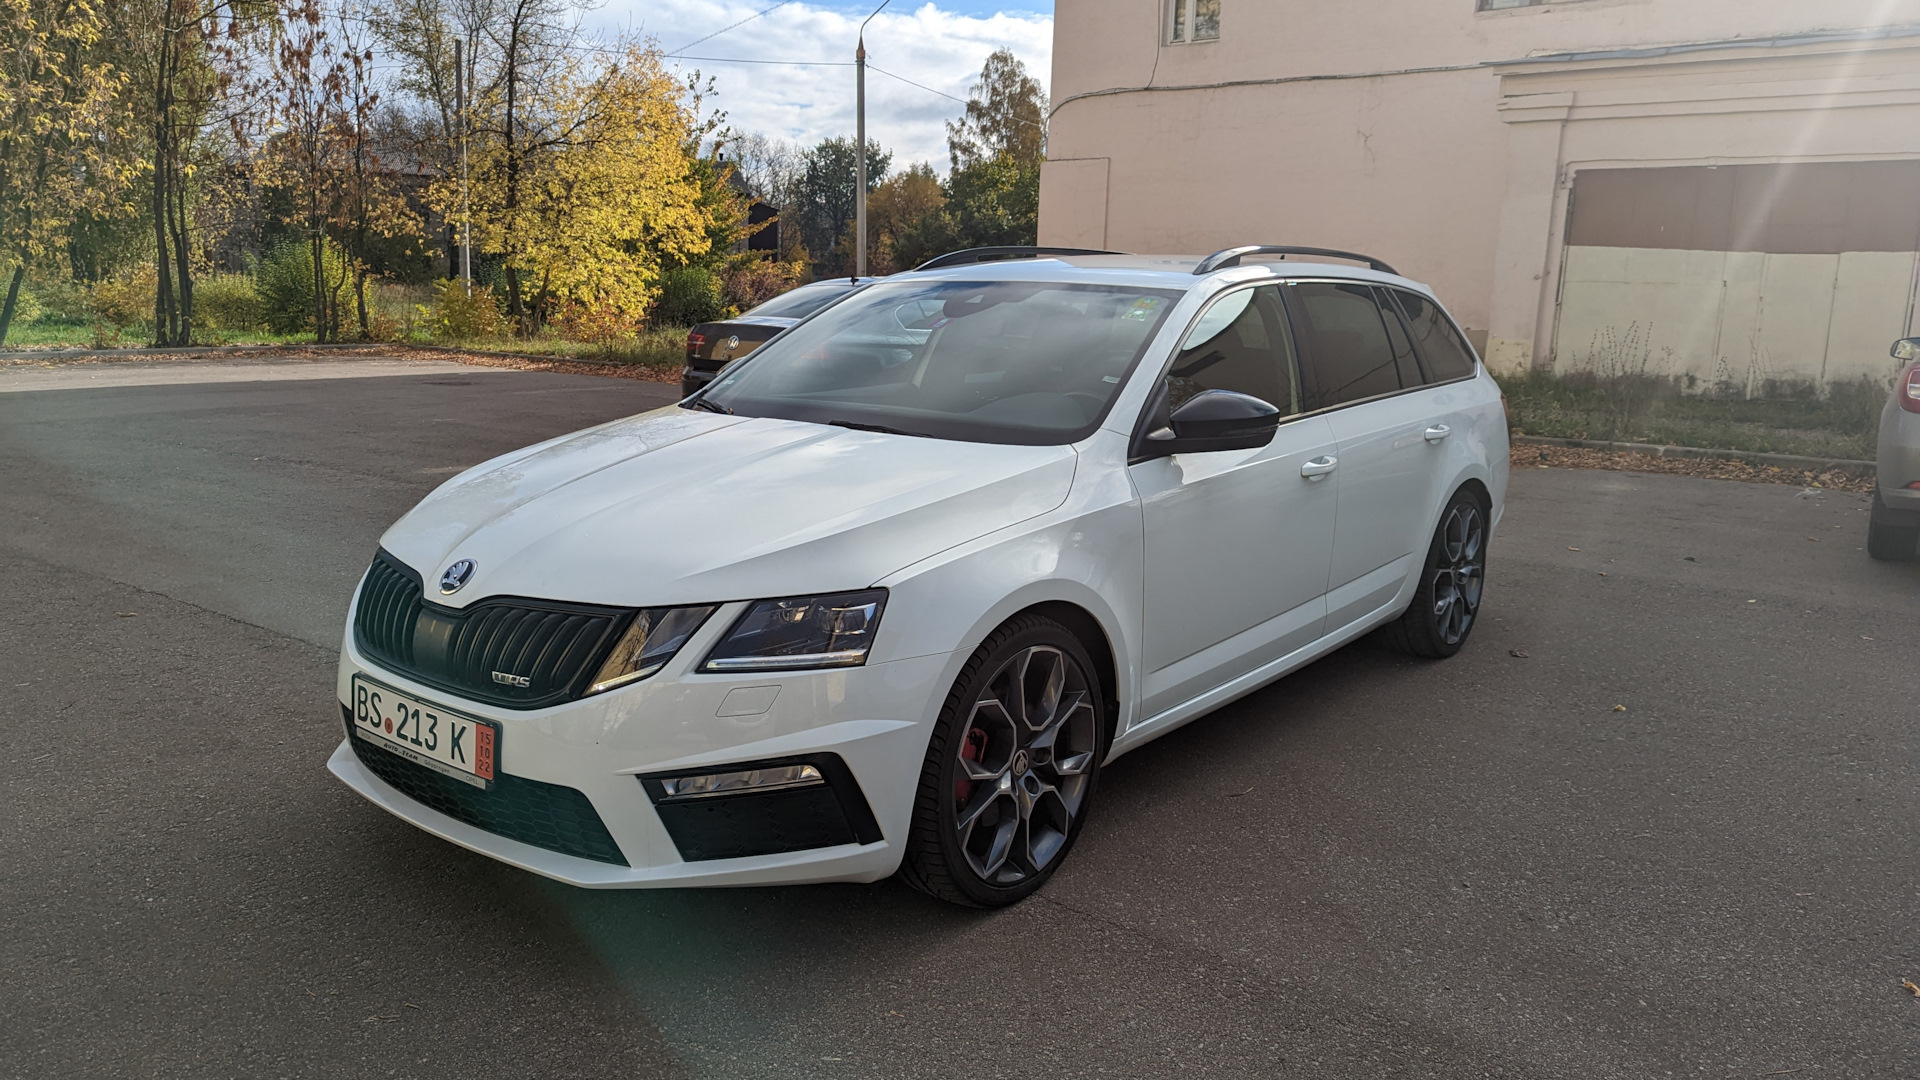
(1894, 530)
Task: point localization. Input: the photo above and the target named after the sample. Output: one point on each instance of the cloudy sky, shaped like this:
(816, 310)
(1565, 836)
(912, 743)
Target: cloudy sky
(937, 43)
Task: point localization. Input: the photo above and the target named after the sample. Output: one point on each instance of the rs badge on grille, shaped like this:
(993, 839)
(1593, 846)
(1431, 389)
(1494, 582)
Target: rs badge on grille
(506, 679)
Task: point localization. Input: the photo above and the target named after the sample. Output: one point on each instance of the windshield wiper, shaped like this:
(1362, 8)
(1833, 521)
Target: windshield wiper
(706, 406)
(881, 428)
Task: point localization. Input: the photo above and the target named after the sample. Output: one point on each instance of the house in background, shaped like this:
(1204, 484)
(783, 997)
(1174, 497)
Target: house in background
(1730, 188)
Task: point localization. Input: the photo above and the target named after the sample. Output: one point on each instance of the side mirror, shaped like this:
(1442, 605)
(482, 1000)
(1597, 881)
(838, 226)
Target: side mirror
(1907, 349)
(1215, 420)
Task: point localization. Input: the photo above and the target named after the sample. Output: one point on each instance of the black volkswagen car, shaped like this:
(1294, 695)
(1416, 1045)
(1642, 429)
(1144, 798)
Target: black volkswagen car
(712, 346)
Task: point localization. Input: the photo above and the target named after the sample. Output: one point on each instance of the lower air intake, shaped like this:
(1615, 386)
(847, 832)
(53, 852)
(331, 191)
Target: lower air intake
(545, 815)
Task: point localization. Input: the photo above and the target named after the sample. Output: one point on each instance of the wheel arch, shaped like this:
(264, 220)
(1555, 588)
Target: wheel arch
(1478, 488)
(1084, 626)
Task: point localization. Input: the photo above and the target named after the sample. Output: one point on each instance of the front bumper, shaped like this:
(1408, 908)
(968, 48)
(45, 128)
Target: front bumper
(876, 720)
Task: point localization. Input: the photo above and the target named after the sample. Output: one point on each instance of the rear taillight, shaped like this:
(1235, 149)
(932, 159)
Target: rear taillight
(694, 341)
(1910, 389)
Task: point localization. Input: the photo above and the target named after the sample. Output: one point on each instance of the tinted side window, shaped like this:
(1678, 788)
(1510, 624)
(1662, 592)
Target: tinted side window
(1446, 356)
(1348, 355)
(1242, 344)
(1403, 357)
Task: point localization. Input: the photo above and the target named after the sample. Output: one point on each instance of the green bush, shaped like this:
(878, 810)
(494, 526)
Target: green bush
(126, 298)
(227, 302)
(688, 295)
(63, 300)
(284, 283)
(462, 316)
(26, 306)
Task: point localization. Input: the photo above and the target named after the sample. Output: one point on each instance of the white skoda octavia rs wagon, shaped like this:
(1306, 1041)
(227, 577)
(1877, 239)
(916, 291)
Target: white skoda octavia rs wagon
(885, 596)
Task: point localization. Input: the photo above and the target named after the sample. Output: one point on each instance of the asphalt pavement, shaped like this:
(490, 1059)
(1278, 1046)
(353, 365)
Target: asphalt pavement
(1658, 819)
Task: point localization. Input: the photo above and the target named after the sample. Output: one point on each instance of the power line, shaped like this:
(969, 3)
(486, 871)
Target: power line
(735, 26)
(873, 67)
(942, 93)
(740, 60)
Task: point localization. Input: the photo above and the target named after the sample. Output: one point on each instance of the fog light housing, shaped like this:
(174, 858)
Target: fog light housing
(776, 778)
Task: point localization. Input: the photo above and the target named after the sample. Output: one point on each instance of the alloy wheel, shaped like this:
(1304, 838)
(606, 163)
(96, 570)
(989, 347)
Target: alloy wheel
(1024, 766)
(1459, 574)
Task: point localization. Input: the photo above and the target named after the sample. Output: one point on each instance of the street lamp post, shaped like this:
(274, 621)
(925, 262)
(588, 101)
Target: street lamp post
(460, 111)
(860, 148)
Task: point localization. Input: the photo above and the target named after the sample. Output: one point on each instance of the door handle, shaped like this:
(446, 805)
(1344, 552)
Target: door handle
(1319, 467)
(1438, 432)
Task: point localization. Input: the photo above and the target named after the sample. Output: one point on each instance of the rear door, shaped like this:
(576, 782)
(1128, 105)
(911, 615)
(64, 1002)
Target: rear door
(1237, 541)
(1359, 364)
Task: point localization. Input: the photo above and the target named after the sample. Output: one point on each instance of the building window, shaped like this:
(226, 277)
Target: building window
(1199, 20)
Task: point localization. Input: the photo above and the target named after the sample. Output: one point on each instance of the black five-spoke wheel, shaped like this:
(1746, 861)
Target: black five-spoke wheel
(1011, 769)
(1024, 764)
(1443, 611)
(1461, 572)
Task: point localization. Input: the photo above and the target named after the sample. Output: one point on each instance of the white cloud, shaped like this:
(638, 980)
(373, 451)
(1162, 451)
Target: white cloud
(938, 48)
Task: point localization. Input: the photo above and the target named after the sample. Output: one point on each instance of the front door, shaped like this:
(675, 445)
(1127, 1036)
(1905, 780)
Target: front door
(1238, 542)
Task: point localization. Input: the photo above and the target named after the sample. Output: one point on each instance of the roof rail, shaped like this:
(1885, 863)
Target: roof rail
(1220, 260)
(991, 254)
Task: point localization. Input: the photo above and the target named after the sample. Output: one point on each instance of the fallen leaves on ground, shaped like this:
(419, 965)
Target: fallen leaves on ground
(1567, 457)
(1517, 654)
(564, 367)
(1908, 983)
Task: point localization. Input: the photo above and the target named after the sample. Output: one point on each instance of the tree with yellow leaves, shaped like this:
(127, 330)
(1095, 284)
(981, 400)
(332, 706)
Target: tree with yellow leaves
(61, 126)
(584, 214)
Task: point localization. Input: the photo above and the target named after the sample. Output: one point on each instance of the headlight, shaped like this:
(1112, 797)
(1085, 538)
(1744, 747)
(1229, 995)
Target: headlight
(801, 632)
(650, 641)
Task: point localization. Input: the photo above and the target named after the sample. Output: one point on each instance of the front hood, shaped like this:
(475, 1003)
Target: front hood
(684, 507)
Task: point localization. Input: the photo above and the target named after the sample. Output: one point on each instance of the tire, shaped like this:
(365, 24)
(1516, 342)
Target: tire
(1010, 770)
(1446, 606)
(1889, 542)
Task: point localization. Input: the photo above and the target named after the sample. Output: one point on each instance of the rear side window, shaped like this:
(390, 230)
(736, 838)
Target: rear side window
(1403, 357)
(1446, 356)
(1348, 355)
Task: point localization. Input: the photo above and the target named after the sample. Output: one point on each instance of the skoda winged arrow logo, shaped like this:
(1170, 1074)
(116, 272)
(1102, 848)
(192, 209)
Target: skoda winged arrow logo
(456, 575)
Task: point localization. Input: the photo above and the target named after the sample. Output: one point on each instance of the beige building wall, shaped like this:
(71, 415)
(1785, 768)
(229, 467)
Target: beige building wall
(1447, 141)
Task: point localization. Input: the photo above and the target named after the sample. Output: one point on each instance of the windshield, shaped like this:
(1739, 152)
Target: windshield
(801, 302)
(1032, 363)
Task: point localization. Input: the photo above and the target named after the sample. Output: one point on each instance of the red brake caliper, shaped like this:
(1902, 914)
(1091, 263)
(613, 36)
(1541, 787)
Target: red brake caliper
(973, 749)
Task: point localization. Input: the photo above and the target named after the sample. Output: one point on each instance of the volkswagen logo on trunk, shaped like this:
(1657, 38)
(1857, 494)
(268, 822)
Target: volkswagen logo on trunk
(456, 575)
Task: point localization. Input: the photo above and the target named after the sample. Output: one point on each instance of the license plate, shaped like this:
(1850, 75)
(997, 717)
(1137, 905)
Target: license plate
(434, 736)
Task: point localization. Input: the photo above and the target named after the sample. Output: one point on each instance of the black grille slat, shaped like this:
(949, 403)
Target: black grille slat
(533, 812)
(391, 601)
(555, 652)
(556, 646)
(558, 653)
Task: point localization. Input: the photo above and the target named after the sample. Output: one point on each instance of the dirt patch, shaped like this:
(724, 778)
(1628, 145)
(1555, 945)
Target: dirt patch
(1561, 457)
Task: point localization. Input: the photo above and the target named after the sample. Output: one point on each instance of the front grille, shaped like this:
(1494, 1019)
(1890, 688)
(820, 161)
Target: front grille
(545, 815)
(556, 647)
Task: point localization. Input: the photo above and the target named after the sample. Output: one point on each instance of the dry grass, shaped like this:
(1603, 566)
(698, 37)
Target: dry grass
(1842, 424)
